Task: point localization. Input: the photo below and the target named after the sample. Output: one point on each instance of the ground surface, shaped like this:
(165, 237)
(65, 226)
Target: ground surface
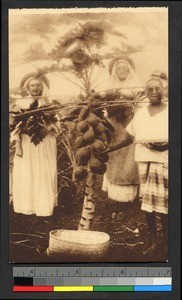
(29, 235)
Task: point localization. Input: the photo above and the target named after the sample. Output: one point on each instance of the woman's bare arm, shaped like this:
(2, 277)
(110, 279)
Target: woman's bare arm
(126, 142)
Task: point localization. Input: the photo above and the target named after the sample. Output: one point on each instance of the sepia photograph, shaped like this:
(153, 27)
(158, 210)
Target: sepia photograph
(88, 135)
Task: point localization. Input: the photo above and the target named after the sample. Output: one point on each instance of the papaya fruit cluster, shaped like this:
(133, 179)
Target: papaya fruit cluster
(91, 140)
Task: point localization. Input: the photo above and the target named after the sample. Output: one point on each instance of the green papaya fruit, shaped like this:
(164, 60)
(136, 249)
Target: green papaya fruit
(79, 142)
(89, 136)
(93, 120)
(97, 167)
(80, 172)
(83, 155)
(98, 145)
(82, 126)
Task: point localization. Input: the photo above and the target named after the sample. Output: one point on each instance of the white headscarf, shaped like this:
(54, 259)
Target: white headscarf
(131, 85)
(25, 102)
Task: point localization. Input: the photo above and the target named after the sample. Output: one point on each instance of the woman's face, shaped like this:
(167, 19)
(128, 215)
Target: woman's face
(122, 70)
(155, 92)
(35, 87)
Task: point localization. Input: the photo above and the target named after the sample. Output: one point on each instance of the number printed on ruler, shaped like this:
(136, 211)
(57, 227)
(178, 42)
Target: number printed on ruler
(92, 272)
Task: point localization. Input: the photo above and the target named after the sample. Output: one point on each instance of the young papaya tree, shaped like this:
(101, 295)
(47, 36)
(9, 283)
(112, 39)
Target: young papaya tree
(88, 132)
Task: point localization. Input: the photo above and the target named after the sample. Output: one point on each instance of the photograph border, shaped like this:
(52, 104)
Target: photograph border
(175, 24)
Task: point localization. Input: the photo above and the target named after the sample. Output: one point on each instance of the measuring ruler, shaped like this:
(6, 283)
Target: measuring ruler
(92, 279)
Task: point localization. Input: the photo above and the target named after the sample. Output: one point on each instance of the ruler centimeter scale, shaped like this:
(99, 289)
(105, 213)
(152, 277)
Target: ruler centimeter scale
(92, 279)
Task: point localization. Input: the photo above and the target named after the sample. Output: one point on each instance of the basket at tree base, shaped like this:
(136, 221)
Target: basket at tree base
(78, 242)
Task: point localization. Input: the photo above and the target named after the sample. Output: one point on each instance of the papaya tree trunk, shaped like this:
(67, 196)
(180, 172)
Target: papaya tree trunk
(88, 210)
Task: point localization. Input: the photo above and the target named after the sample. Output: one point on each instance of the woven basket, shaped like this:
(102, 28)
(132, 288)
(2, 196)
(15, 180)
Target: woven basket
(78, 242)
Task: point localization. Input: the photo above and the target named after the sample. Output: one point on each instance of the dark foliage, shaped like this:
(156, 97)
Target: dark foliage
(34, 125)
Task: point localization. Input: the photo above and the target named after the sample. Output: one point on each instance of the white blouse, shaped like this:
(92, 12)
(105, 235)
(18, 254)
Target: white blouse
(148, 128)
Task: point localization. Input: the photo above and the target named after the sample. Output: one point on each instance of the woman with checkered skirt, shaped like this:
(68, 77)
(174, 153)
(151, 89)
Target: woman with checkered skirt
(149, 130)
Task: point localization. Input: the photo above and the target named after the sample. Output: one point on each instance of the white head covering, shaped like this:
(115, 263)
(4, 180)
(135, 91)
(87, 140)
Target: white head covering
(130, 85)
(25, 102)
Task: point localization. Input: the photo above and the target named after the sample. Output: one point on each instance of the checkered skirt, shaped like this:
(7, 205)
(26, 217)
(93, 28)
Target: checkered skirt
(154, 186)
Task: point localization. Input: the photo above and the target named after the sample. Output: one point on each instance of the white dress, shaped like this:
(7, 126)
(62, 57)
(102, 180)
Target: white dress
(35, 177)
(148, 128)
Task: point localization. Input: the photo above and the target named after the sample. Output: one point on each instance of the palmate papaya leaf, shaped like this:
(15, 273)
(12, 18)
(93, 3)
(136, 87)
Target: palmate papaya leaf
(68, 39)
(93, 34)
(19, 122)
(33, 125)
(113, 95)
(36, 130)
(89, 34)
(122, 111)
(97, 59)
(80, 59)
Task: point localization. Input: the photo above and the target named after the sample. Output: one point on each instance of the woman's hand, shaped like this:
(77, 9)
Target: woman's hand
(105, 151)
(128, 141)
(19, 149)
(46, 129)
(52, 129)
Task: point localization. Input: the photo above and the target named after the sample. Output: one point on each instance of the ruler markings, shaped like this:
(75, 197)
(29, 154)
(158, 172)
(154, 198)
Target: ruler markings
(92, 271)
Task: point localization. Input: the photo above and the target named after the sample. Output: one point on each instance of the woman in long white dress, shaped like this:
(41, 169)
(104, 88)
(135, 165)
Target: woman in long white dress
(35, 166)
